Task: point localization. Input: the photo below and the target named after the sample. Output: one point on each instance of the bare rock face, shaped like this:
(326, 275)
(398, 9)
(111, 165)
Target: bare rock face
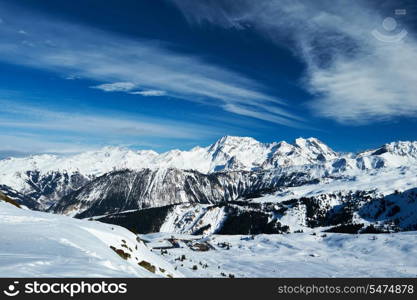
(128, 190)
(18, 198)
(52, 186)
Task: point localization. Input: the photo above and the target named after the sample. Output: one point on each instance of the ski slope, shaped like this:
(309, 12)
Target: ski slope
(36, 244)
(296, 255)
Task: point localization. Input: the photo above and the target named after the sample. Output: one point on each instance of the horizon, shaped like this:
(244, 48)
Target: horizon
(173, 74)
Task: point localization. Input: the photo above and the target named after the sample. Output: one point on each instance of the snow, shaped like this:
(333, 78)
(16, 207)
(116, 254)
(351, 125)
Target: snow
(228, 153)
(247, 152)
(36, 244)
(188, 218)
(243, 153)
(205, 159)
(298, 255)
(383, 181)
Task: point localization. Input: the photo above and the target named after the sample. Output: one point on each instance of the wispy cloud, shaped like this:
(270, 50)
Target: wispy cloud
(355, 77)
(33, 129)
(20, 144)
(149, 93)
(261, 113)
(123, 64)
(116, 87)
(129, 87)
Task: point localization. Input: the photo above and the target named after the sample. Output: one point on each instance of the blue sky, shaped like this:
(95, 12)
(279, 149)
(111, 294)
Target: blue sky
(163, 74)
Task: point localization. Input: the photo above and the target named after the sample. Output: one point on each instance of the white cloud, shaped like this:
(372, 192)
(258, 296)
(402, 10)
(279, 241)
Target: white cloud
(127, 87)
(354, 77)
(88, 53)
(71, 77)
(150, 93)
(365, 89)
(116, 87)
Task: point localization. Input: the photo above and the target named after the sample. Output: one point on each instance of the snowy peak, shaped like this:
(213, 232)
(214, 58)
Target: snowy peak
(395, 154)
(227, 153)
(246, 153)
(89, 163)
(316, 147)
(301, 152)
(233, 141)
(239, 147)
(400, 148)
(234, 151)
(47, 174)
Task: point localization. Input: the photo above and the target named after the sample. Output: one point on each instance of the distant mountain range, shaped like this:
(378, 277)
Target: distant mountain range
(227, 181)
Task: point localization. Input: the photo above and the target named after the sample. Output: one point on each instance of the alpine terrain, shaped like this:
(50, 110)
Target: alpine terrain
(229, 196)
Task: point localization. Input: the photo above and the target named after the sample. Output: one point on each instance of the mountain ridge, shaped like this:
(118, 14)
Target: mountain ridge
(47, 178)
(110, 158)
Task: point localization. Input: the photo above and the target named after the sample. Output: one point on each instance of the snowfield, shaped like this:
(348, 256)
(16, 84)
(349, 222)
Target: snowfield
(295, 255)
(36, 244)
(383, 181)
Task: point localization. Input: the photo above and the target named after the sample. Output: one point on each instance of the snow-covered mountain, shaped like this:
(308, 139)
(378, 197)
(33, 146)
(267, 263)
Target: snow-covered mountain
(234, 186)
(243, 153)
(302, 152)
(127, 189)
(284, 199)
(19, 198)
(395, 154)
(117, 179)
(47, 178)
(378, 202)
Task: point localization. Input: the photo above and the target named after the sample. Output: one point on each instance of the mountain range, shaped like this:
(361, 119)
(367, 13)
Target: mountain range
(262, 187)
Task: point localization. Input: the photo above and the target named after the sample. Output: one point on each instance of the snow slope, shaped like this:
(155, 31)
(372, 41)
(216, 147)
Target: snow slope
(383, 181)
(296, 255)
(36, 244)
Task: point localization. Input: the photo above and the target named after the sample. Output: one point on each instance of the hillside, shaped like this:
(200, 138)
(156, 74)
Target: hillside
(36, 244)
